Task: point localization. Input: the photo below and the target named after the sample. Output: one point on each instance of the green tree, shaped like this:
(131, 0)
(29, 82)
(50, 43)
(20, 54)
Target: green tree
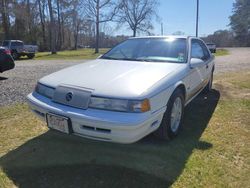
(222, 38)
(240, 22)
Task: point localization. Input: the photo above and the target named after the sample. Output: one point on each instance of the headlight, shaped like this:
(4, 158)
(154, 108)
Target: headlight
(120, 104)
(45, 90)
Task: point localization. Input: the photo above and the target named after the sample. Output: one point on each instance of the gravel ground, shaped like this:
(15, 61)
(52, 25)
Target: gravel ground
(17, 83)
(237, 60)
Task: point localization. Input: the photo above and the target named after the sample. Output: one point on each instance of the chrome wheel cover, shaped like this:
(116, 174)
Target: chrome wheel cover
(176, 113)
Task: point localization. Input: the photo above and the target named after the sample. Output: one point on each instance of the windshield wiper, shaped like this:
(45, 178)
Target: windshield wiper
(134, 59)
(148, 60)
(112, 58)
(123, 59)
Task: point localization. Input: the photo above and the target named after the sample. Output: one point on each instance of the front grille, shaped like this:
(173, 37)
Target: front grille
(74, 97)
(90, 128)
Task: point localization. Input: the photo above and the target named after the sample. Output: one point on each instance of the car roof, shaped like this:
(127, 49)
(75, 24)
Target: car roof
(13, 40)
(164, 36)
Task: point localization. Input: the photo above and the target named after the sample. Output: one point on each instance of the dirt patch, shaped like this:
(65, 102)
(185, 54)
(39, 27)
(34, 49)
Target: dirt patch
(238, 59)
(234, 85)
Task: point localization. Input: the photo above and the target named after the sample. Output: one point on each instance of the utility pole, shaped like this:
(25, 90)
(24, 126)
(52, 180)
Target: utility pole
(197, 19)
(162, 29)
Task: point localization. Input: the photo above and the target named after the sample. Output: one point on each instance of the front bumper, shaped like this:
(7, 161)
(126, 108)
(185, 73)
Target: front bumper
(100, 124)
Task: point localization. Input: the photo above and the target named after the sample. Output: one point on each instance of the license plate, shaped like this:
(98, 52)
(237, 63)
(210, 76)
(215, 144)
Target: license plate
(59, 123)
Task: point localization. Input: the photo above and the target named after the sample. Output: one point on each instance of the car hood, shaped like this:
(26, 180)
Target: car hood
(112, 78)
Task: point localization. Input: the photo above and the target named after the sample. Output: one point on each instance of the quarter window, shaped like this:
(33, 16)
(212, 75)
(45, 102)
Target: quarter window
(198, 50)
(205, 51)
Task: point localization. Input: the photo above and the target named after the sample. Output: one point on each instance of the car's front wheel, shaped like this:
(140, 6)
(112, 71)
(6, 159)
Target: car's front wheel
(172, 119)
(15, 55)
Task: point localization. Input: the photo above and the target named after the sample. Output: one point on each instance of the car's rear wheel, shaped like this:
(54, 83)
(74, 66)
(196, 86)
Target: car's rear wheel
(31, 56)
(172, 119)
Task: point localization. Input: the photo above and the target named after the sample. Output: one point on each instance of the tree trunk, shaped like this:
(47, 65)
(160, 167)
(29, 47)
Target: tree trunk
(42, 24)
(97, 27)
(59, 43)
(52, 28)
(5, 20)
(62, 31)
(76, 39)
(29, 18)
(76, 33)
(134, 32)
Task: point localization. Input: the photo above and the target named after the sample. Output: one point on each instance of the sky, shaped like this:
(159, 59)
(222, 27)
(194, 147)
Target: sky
(180, 15)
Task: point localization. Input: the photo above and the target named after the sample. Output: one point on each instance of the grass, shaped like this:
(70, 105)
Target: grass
(85, 53)
(211, 151)
(221, 52)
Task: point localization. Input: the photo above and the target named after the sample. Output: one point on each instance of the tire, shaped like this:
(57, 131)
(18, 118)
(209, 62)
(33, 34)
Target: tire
(15, 55)
(209, 85)
(31, 56)
(172, 119)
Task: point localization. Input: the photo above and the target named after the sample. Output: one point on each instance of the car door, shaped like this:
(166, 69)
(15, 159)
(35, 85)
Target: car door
(208, 62)
(197, 75)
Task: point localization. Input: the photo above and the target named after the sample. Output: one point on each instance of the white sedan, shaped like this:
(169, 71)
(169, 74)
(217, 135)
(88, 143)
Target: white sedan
(140, 86)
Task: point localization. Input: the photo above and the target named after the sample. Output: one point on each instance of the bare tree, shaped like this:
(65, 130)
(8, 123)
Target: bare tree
(59, 24)
(42, 21)
(178, 33)
(29, 18)
(59, 36)
(138, 14)
(5, 17)
(102, 11)
(76, 26)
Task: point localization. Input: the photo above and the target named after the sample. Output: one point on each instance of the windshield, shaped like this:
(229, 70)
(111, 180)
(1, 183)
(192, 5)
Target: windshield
(150, 49)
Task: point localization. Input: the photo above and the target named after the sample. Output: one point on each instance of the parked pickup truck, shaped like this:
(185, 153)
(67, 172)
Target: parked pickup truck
(211, 47)
(18, 49)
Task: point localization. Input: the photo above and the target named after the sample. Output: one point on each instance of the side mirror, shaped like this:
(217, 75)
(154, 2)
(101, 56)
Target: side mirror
(196, 62)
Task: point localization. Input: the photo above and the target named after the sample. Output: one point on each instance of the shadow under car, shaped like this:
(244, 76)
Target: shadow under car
(57, 160)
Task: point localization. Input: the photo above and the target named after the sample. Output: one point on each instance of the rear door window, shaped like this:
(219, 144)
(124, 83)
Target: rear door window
(205, 50)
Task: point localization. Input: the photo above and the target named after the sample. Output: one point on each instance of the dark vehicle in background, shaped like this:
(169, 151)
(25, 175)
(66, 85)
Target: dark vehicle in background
(211, 47)
(18, 49)
(6, 60)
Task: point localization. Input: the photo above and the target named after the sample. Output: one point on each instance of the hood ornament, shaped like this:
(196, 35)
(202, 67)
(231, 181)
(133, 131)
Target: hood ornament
(69, 96)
